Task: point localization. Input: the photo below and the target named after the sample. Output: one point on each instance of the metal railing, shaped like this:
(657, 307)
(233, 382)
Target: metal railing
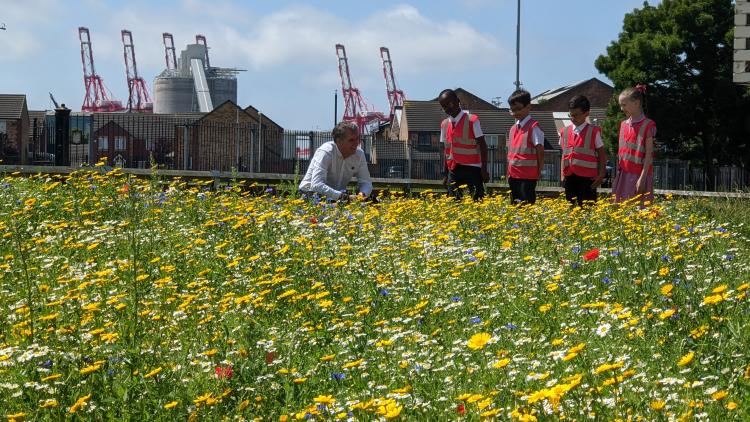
(190, 143)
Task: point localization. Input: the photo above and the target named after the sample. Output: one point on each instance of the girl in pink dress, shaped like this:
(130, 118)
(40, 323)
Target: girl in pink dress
(635, 172)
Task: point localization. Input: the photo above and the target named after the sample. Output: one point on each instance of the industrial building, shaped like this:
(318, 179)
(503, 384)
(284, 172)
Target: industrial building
(191, 84)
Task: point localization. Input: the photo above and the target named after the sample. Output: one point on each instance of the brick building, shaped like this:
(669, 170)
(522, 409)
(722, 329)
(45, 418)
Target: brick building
(14, 128)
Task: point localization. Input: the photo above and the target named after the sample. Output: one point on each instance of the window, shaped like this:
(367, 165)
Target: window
(3, 127)
(491, 140)
(103, 143)
(119, 143)
(424, 139)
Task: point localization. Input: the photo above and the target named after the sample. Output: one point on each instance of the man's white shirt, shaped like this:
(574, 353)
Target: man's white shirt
(329, 172)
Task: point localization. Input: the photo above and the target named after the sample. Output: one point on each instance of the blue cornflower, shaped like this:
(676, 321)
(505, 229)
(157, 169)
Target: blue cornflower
(456, 298)
(338, 376)
(476, 320)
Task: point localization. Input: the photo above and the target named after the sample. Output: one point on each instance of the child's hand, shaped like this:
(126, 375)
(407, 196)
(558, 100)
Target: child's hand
(640, 185)
(597, 182)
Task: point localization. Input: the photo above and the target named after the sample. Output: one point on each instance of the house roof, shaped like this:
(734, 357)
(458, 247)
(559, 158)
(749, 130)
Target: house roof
(471, 101)
(253, 112)
(144, 125)
(598, 93)
(12, 106)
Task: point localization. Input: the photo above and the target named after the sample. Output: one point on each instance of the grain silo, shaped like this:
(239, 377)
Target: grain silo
(191, 83)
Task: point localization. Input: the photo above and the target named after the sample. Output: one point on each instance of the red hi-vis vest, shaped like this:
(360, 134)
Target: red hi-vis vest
(632, 150)
(579, 151)
(522, 159)
(460, 145)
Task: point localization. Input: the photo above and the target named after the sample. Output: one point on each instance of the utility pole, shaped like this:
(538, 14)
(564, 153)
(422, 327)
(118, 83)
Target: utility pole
(518, 46)
(335, 107)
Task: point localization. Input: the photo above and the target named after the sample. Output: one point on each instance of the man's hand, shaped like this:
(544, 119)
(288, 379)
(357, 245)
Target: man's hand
(640, 185)
(562, 179)
(485, 175)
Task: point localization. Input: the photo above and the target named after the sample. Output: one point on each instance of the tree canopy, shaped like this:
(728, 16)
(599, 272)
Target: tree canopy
(682, 50)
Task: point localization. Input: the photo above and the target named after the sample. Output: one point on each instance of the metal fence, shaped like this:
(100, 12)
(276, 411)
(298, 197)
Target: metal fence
(191, 143)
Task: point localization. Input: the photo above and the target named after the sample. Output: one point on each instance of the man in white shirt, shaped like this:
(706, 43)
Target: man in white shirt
(335, 163)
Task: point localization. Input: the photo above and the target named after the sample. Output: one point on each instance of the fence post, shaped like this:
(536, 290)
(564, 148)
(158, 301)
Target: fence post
(408, 165)
(185, 147)
(62, 136)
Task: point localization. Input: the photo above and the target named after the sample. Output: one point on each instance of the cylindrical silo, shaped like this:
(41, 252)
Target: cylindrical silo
(173, 95)
(223, 89)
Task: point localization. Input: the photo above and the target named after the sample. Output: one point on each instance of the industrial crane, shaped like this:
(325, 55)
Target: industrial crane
(201, 40)
(96, 97)
(395, 95)
(169, 52)
(356, 108)
(138, 97)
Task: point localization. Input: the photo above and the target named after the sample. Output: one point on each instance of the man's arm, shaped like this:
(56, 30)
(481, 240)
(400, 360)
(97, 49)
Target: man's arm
(364, 183)
(602, 155)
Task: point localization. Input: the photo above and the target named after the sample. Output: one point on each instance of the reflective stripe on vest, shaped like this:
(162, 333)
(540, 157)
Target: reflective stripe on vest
(632, 152)
(522, 155)
(461, 149)
(580, 159)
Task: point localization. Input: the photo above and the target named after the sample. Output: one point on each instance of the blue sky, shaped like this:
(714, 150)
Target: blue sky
(288, 47)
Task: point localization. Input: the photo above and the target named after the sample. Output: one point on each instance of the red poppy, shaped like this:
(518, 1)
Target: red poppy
(460, 409)
(224, 372)
(270, 357)
(313, 220)
(591, 255)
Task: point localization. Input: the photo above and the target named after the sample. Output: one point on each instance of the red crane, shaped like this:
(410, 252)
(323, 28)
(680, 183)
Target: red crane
(395, 96)
(138, 98)
(96, 97)
(169, 52)
(201, 40)
(356, 108)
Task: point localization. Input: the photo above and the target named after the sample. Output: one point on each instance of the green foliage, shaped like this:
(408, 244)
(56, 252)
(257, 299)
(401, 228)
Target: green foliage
(682, 50)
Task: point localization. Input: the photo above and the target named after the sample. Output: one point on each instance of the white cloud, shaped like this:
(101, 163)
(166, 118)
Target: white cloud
(23, 20)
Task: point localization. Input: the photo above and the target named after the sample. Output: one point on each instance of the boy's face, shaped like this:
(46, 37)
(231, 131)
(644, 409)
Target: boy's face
(520, 111)
(450, 105)
(577, 116)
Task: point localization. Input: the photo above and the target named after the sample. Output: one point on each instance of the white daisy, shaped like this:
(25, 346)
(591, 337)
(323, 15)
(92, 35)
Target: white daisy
(602, 330)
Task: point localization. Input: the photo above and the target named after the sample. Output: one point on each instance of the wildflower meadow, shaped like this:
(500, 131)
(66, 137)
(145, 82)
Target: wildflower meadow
(152, 299)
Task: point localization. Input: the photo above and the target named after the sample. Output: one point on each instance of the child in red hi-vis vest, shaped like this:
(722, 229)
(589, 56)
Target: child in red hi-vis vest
(635, 172)
(465, 148)
(525, 150)
(583, 162)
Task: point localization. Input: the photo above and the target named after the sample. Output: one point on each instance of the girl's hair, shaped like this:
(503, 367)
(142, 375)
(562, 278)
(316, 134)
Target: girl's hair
(636, 93)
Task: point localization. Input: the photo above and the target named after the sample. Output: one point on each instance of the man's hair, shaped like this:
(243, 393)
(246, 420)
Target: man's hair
(580, 102)
(520, 96)
(449, 94)
(342, 129)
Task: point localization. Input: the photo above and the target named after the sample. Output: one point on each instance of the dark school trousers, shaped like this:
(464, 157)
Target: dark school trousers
(465, 175)
(578, 189)
(522, 190)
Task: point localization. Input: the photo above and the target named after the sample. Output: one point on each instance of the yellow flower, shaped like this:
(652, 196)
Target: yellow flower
(666, 314)
(478, 341)
(663, 271)
(658, 404)
(51, 377)
(569, 356)
(721, 289)
(90, 369)
(719, 395)
(577, 348)
(501, 363)
(666, 289)
(210, 352)
(686, 359)
(324, 399)
(353, 364)
(153, 373)
(48, 403)
(545, 308)
(327, 358)
(552, 287)
(300, 380)
(170, 405)
(731, 405)
(608, 366)
(79, 403)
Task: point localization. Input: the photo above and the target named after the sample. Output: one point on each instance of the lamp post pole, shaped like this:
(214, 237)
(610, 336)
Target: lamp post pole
(518, 46)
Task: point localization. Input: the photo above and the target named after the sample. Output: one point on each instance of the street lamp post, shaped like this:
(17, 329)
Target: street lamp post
(518, 46)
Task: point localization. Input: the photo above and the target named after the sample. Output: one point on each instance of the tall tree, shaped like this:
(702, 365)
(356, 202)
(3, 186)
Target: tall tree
(682, 50)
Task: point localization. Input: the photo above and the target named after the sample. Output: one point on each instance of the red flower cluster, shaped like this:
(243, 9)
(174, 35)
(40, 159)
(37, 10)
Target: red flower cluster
(224, 372)
(591, 255)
